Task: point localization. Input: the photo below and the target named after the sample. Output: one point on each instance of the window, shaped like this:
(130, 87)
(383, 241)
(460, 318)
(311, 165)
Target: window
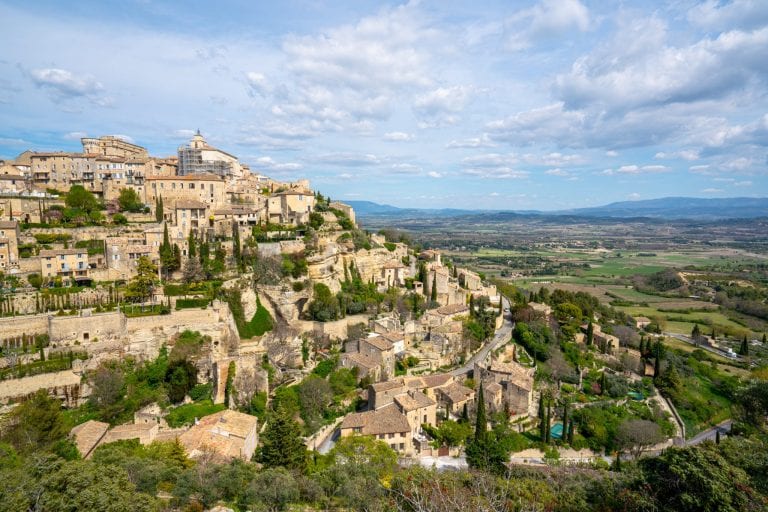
(402, 446)
(391, 436)
(192, 185)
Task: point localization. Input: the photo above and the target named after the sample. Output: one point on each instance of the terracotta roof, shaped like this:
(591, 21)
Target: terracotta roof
(413, 400)
(452, 309)
(87, 435)
(190, 204)
(8, 224)
(493, 388)
(456, 392)
(394, 264)
(223, 432)
(387, 385)
(358, 359)
(437, 380)
(394, 336)
(57, 252)
(187, 177)
(379, 342)
(387, 420)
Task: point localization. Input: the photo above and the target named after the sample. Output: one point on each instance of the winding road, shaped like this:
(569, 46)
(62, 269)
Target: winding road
(502, 336)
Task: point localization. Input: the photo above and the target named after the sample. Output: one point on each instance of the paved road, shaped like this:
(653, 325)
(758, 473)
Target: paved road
(711, 433)
(687, 339)
(502, 336)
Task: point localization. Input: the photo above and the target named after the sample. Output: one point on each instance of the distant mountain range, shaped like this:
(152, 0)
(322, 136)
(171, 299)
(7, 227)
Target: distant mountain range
(663, 208)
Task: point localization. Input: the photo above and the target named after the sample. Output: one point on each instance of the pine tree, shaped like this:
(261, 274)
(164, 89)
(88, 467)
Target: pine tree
(590, 333)
(282, 444)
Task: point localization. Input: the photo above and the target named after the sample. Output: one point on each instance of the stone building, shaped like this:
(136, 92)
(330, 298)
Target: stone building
(9, 245)
(65, 263)
(229, 434)
(198, 157)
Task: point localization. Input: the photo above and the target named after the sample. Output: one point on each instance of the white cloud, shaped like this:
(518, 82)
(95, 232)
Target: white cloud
(634, 196)
(712, 191)
(611, 153)
(544, 22)
(268, 163)
(74, 135)
(348, 159)
(746, 183)
(744, 14)
(636, 169)
(440, 106)
(557, 172)
(684, 154)
(434, 174)
(398, 136)
(476, 142)
(62, 85)
(257, 83)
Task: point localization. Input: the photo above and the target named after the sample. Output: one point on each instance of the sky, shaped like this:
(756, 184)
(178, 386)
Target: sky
(513, 105)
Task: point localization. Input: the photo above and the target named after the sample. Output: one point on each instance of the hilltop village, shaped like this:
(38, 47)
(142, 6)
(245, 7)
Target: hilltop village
(187, 333)
(248, 284)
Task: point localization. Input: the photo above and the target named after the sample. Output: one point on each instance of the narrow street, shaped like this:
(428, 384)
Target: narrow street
(501, 337)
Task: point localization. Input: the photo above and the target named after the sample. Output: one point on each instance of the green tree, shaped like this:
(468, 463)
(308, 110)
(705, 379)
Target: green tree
(80, 198)
(282, 445)
(236, 249)
(142, 285)
(324, 306)
(744, 348)
(84, 485)
(590, 334)
(696, 479)
(159, 214)
(180, 377)
(191, 245)
(36, 424)
(433, 290)
(129, 201)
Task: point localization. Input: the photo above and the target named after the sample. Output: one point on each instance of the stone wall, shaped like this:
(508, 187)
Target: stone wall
(13, 327)
(66, 330)
(65, 385)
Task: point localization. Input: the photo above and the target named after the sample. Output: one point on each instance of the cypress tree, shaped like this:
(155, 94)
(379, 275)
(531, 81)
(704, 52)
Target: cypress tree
(717, 437)
(481, 422)
(617, 463)
(565, 421)
(547, 423)
(744, 350)
(471, 306)
(433, 294)
(236, 244)
(602, 383)
(159, 213)
(590, 333)
(570, 432)
(696, 332)
(192, 250)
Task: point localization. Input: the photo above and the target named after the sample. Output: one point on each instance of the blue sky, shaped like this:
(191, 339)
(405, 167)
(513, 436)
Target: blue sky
(495, 105)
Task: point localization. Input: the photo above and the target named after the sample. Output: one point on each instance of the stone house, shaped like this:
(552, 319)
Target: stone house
(9, 244)
(66, 263)
(229, 434)
(515, 385)
(387, 424)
